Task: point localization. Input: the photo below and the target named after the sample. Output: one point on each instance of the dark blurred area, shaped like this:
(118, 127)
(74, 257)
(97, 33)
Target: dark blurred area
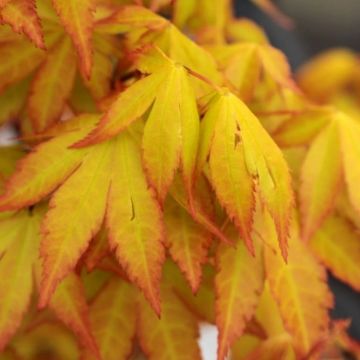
(318, 25)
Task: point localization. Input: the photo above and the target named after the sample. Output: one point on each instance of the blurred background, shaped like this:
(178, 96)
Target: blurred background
(318, 25)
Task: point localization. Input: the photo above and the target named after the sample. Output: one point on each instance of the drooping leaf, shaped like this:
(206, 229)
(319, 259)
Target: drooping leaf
(171, 131)
(350, 148)
(229, 175)
(321, 177)
(337, 245)
(171, 337)
(134, 220)
(188, 242)
(62, 244)
(113, 318)
(18, 257)
(21, 15)
(43, 170)
(303, 282)
(263, 161)
(52, 85)
(69, 304)
(22, 57)
(238, 283)
(77, 18)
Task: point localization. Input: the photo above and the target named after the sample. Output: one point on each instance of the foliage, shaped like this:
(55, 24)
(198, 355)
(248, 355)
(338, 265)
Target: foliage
(170, 171)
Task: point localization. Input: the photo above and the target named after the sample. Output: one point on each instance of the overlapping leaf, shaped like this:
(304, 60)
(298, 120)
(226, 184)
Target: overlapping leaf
(171, 131)
(337, 245)
(303, 280)
(241, 152)
(238, 285)
(188, 242)
(83, 177)
(321, 177)
(173, 336)
(55, 68)
(20, 255)
(113, 318)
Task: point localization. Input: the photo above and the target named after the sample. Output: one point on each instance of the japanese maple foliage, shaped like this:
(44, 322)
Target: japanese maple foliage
(169, 170)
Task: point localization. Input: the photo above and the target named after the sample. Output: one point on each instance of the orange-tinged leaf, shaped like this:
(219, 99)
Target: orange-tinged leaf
(163, 134)
(77, 18)
(15, 290)
(202, 207)
(76, 214)
(21, 15)
(173, 336)
(129, 106)
(337, 245)
(101, 75)
(263, 159)
(134, 220)
(321, 177)
(52, 85)
(69, 305)
(171, 132)
(238, 282)
(350, 149)
(22, 58)
(302, 282)
(129, 17)
(113, 319)
(200, 304)
(266, 163)
(44, 169)
(230, 178)
(244, 64)
(97, 250)
(188, 242)
(172, 128)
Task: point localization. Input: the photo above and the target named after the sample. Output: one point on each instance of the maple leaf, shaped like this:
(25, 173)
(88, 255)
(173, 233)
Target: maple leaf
(52, 85)
(337, 245)
(245, 64)
(20, 250)
(165, 36)
(303, 281)
(188, 242)
(168, 336)
(321, 177)
(113, 318)
(238, 283)
(21, 15)
(77, 18)
(80, 176)
(257, 160)
(55, 68)
(171, 130)
(334, 145)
